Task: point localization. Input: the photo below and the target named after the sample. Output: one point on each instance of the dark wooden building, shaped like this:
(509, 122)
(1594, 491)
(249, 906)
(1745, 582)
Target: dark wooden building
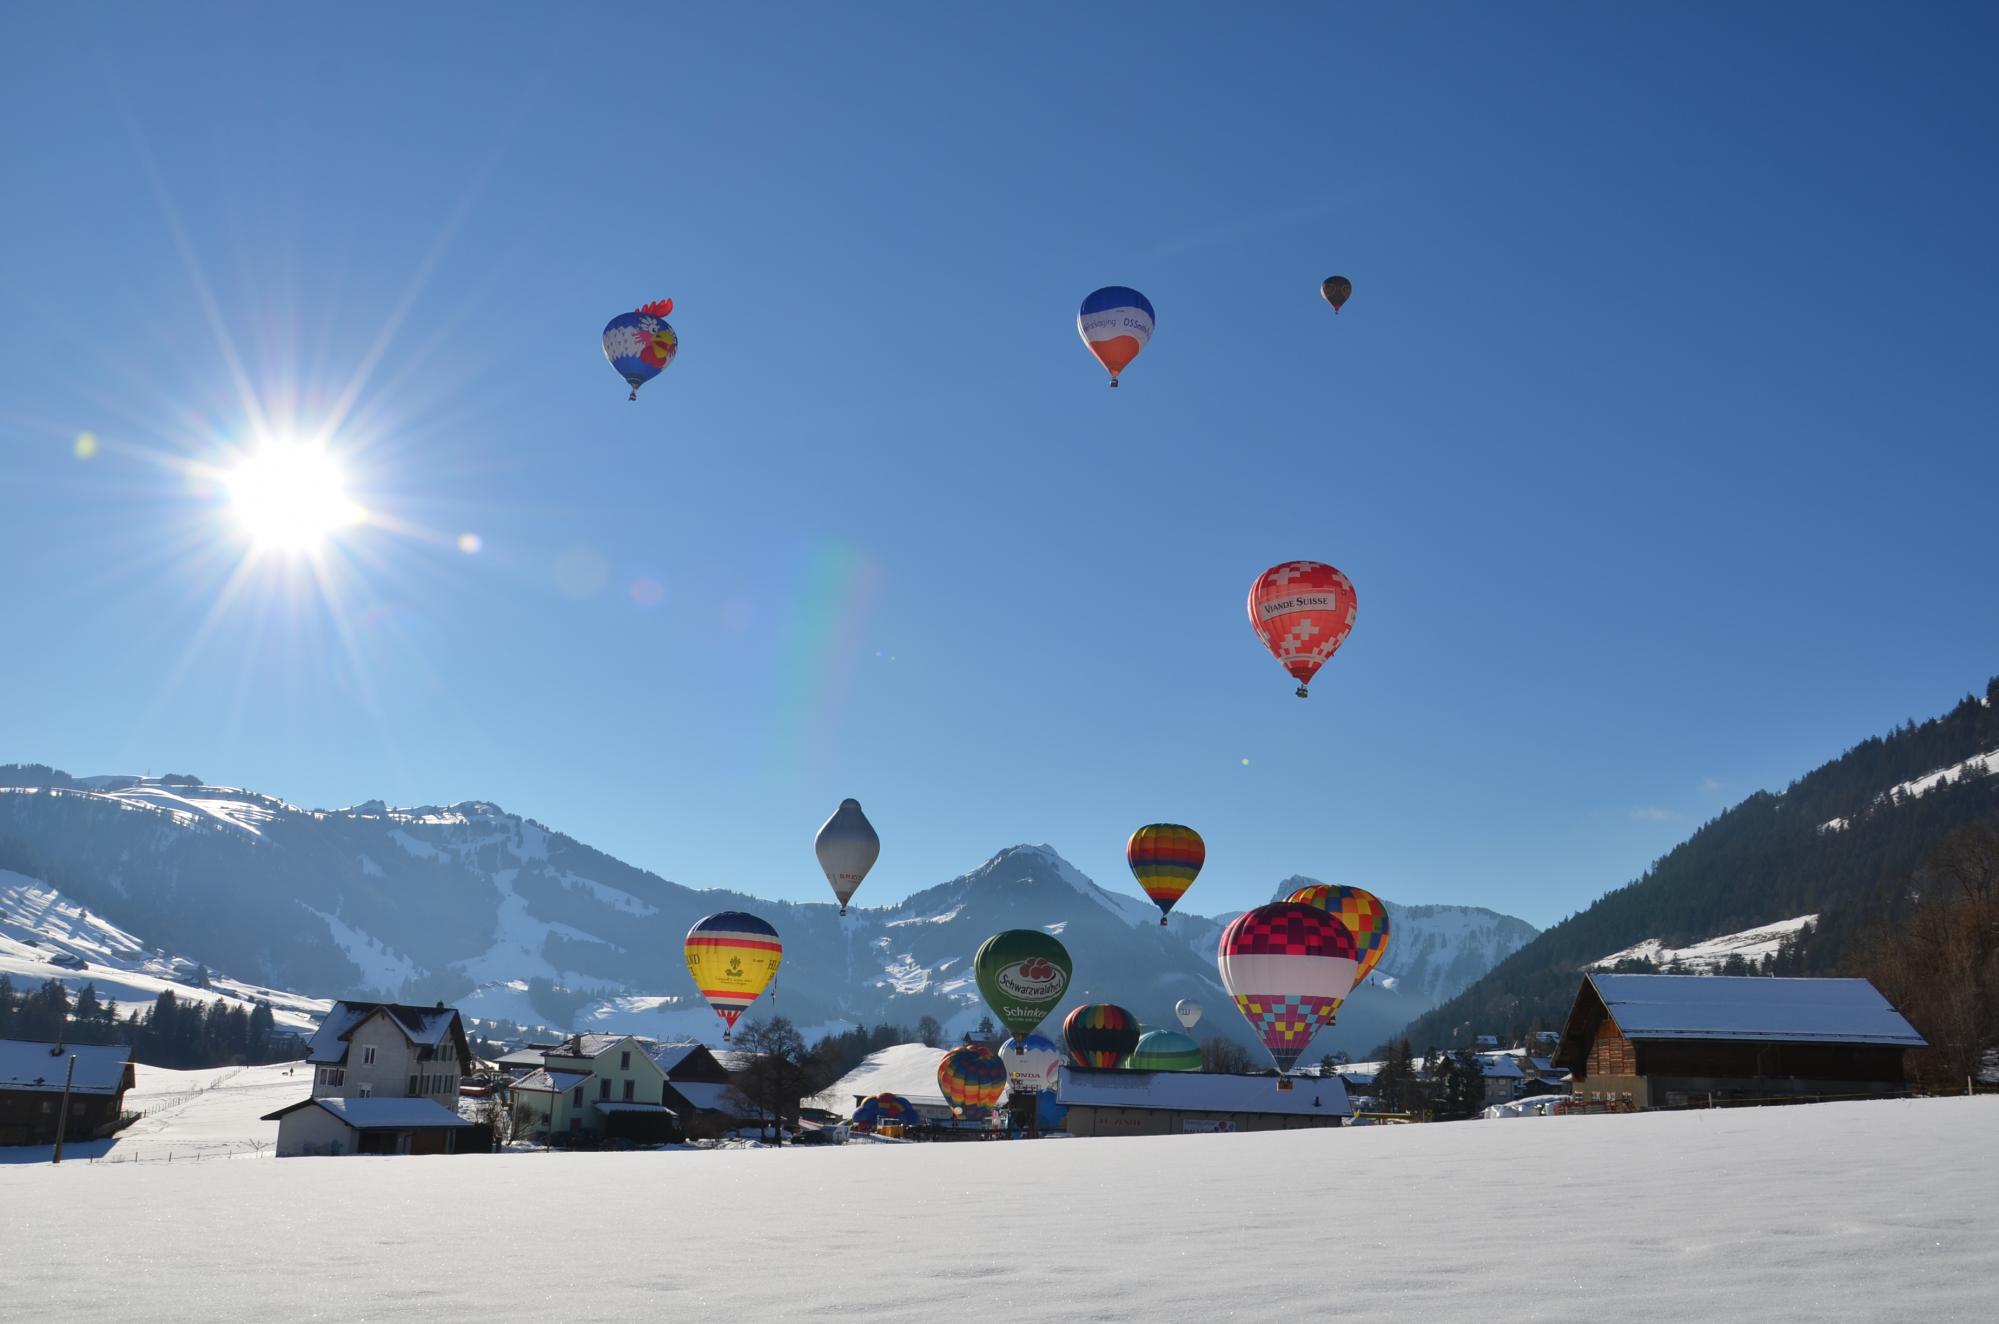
(31, 1087)
(1683, 1041)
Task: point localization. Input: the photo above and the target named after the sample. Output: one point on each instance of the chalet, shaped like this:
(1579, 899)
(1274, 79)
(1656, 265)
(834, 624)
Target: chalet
(1157, 1103)
(1677, 1041)
(599, 1085)
(1502, 1075)
(702, 1090)
(31, 1089)
(385, 1081)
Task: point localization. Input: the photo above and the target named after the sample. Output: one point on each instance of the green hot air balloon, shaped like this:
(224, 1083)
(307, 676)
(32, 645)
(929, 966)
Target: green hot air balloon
(1022, 975)
(1164, 1050)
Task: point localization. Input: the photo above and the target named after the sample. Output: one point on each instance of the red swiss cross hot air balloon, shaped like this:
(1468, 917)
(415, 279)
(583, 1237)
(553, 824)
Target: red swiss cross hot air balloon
(1303, 611)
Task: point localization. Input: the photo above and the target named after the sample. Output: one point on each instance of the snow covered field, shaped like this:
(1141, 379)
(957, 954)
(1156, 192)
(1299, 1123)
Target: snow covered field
(1862, 1211)
(189, 1115)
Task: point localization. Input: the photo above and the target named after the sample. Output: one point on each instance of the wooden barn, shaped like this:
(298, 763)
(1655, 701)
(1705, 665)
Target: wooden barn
(1686, 1041)
(32, 1076)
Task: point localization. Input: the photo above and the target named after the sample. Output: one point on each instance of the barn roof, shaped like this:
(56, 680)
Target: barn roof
(381, 1114)
(41, 1067)
(1753, 1008)
(1201, 1091)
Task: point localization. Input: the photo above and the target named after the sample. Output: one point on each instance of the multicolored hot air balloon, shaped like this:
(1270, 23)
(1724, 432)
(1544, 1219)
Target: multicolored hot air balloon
(847, 847)
(885, 1110)
(1033, 1063)
(1337, 290)
(1100, 1034)
(1363, 914)
(733, 957)
(1189, 1012)
(1302, 611)
(1164, 1050)
(1022, 974)
(1165, 858)
(972, 1080)
(640, 343)
(1288, 966)
(1115, 323)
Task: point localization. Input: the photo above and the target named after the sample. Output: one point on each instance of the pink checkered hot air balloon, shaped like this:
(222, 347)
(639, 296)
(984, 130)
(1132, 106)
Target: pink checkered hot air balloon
(1288, 966)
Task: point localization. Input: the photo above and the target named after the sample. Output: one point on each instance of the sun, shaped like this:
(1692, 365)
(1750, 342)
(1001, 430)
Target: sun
(290, 496)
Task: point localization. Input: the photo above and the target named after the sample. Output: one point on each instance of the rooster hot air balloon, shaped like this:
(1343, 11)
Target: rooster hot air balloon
(1189, 1012)
(1302, 611)
(1033, 1063)
(1022, 974)
(1363, 914)
(1100, 1034)
(733, 957)
(1165, 858)
(1287, 965)
(1164, 1050)
(847, 848)
(1115, 323)
(972, 1080)
(1337, 290)
(640, 343)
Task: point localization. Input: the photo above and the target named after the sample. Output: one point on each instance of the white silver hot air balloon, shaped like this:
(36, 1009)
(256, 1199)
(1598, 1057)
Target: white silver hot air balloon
(847, 847)
(1189, 1012)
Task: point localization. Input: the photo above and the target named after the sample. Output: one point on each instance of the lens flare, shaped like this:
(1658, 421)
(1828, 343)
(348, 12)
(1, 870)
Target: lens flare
(290, 496)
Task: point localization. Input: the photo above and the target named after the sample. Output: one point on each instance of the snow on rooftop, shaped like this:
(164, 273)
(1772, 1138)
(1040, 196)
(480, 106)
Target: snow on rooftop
(1199, 1091)
(1750, 944)
(1753, 1008)
(42, 1067)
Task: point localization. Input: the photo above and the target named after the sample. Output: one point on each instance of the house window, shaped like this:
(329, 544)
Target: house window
(415, 1084)
(604, 1088)
(628, 1091)
(335, 1076)
(625, 1061)
(368, 1056)
(367, 1090)
(577, 1098)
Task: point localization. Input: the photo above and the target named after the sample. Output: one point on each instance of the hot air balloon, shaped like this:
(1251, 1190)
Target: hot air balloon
(1033, 1063)
(733, 957)
(1337, 289)
(1100, 1034)
(1287, 965)
(1189, 1012)
(885, 1110)
(847, 848)
(1022, 974)
(1363, 914)
(972, 1080)
(1115, 323)
(640, 343)
(1165, 858)
(1302, 611)
(1164, 1050)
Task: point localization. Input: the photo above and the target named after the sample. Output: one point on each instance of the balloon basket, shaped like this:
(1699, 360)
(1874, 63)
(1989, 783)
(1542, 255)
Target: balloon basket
(843, 910)
(1302, 694)
(1113, 383)
(1284, 1085)
(1162, 921)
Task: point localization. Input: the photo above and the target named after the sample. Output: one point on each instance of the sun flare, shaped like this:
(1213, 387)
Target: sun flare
(290, 496)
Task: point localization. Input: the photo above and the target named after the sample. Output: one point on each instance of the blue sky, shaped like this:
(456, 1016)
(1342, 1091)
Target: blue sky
(1658, 438)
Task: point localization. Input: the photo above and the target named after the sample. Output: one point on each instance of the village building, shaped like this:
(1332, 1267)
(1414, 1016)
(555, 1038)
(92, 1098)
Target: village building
(702, 1090)
(1502, 1074)
(1679, 1041)
(1157, 1103)
(385, 1081)
(32, 1077)
(605, 1086)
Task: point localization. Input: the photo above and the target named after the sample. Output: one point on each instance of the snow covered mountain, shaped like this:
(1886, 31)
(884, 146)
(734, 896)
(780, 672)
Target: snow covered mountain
(512, 921)
(1706, 958)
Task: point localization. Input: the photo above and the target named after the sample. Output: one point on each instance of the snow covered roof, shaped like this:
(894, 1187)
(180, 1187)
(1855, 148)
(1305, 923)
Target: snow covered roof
(587, 1045)
(669, 1056)
(41, 1067)
(1500, 1066)
(617, 1106)
(521, 1057)
(426, 1027)
(395, 1114)
(707, 1097)
(1847, 1011)
(1201, 1091)
(550, 1082)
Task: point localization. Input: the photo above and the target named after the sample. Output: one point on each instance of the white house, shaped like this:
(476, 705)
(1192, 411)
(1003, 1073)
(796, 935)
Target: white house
(596, 1085)
(385, 1081)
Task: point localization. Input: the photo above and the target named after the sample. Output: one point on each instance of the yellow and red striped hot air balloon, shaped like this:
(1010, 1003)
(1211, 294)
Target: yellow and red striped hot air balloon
(1361, 911)
(1165, 858)
(733, 957)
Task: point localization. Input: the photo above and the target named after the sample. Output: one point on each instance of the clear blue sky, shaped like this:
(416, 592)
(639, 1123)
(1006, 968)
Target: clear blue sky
(1658, 438)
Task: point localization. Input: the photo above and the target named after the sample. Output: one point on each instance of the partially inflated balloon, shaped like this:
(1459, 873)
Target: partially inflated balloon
(1165, 858)
(1363, 914)
(1022, 974)
(1337, 289)
(1033, 1063)
(1115, 323)
(1189, 1012)
(972, 1080)
(847, 847)
(733, 957)
(1287, 965)
(1164, 1050)
(1100, 1034)
(640, 343)
(1302, 611)
(885, 1109)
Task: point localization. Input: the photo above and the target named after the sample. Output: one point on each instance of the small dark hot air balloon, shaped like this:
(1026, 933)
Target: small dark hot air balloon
(1337, 289)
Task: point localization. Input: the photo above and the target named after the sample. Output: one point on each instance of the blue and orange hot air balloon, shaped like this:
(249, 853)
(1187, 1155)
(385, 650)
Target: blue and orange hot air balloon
(641, 343)
(1115, 323)
(1100, 1034)
(972, 1080)
(1165, 858)
(733, 957)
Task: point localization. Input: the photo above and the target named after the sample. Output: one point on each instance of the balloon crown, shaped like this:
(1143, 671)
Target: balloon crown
(657, 308)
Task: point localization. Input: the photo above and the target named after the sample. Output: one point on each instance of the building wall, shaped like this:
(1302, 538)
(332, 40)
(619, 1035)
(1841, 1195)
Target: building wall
(28, 1117)
(624, 1063)
(396, 1060)
(1091, 1120)
(1610, 1053)
(314, 1131)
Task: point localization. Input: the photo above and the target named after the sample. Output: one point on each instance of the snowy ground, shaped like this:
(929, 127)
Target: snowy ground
(1864, 1211)
(188, 1116)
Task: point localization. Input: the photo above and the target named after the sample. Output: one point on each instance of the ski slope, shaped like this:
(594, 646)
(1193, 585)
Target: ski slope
(1859, 1211)
(1707, 957)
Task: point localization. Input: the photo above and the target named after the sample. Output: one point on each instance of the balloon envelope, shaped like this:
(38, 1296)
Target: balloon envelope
(890, 1108)
(1302, 611)
(641, 343)
(1287, 965)
(972, 1079)
(1033, 1063)
(1363, 914)
(1100, 1034)
(1337, 290)
(1164, 1050)
(847, 848)
(1115, 323)
(733, 957)
(1189, 1012)
(1022, 974)
(1165, 858)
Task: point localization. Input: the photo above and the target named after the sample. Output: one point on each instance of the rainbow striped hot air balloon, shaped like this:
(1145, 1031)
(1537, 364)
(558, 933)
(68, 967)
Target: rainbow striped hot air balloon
(1361, 911)
(972, 1080)
(1115, 323)
(1100, 1034)
(733, 957)
(1165, 858)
